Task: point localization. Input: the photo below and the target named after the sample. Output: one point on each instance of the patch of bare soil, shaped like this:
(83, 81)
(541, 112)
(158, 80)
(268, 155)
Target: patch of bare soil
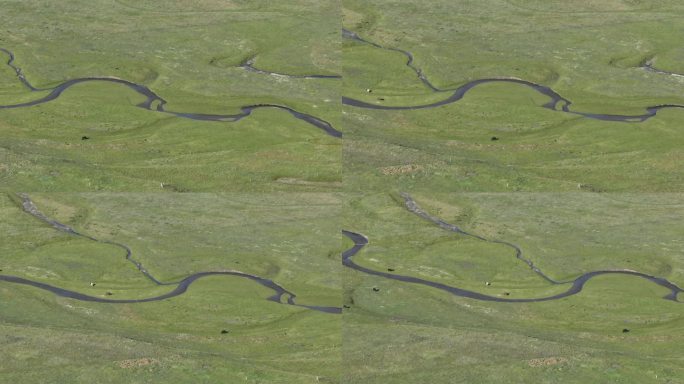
(546, 361)
(293, 181)
(401, 169)
(137, 363)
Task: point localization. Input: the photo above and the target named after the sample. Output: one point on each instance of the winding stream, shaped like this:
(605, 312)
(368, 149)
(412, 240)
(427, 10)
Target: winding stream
(181, 286)
(576, 285)
(458, 93)
(360, 242)
(152, 98)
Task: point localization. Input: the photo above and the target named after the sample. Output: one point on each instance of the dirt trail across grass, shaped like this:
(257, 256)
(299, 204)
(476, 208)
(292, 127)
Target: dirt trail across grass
(153, 98)
(556, 102)
(249, 66)
(649, 66)
(576, 285)
(181, 286)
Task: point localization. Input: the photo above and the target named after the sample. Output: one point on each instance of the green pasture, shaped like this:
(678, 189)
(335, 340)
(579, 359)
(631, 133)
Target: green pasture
(269, 194)
(289, 238)
(405, 333)
(590, 53)
(189, 56)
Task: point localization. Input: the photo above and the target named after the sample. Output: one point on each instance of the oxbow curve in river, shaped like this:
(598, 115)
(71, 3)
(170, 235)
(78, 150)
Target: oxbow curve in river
(180, 286)
(575, 286)
(155, 102)
(556, 101)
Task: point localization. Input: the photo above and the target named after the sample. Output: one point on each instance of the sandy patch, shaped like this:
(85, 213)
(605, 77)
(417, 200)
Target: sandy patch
(546, 361)
(137, 363)
(401, 169)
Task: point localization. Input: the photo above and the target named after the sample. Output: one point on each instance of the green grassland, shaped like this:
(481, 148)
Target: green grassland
(267, 195)
(407, 333)
(575, 194)
(289, 238)
(279, 219)
(190, 56)
(589, 52)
